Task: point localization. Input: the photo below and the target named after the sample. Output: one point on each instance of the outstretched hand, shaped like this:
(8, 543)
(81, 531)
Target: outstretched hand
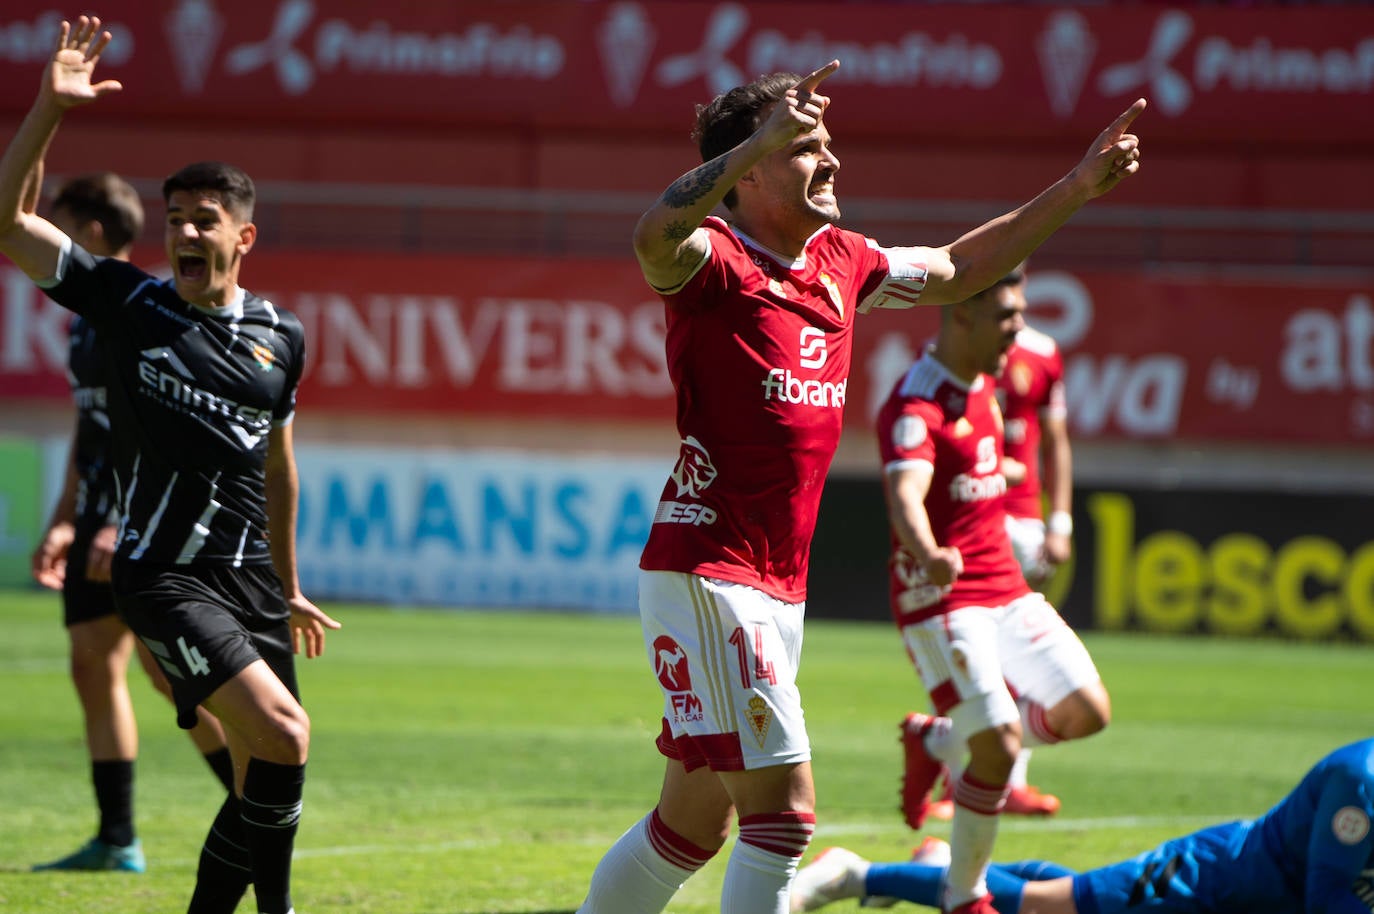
(800, 110)
(1114, 155)
(78, 50)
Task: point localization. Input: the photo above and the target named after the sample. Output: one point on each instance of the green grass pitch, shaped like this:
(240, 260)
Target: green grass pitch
(473, 762)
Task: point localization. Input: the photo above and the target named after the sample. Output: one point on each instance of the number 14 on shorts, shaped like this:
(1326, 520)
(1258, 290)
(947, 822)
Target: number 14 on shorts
(196, 663)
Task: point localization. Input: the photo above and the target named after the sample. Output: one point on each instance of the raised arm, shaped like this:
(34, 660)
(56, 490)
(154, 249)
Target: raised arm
(667, 238)
(979, 258)
(31, 242)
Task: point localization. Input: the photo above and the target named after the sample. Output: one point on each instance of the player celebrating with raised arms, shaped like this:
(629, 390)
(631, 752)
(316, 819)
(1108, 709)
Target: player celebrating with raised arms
(201, 381)
(759, 315)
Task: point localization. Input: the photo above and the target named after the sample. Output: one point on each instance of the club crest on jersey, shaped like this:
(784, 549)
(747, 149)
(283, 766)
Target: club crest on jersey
(835, 297)
(263, 356)
(760, 718)
(1021, 378)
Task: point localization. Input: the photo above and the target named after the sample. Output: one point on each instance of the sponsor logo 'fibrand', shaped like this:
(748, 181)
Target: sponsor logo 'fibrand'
(782, 385)
(977, 488)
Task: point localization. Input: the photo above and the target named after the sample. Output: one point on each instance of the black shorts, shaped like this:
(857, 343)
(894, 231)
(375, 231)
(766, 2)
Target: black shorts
(207, 624)
(84, 600)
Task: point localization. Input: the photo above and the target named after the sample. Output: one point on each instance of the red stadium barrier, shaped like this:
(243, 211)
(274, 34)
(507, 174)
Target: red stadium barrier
(1277, 358)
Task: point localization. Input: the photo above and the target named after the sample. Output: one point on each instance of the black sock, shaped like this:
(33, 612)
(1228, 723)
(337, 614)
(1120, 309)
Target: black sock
(271, 814)
(222, 766)
(114, 795)
(225, 870)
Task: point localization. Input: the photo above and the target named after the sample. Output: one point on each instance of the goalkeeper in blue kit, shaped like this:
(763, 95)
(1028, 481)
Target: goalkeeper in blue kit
(1313, 853)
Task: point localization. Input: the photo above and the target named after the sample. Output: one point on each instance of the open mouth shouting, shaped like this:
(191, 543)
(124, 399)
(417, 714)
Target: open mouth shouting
(191, 267)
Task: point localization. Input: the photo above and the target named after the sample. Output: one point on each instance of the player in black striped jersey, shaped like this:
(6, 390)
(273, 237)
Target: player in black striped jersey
(201, 379)
(103, 214)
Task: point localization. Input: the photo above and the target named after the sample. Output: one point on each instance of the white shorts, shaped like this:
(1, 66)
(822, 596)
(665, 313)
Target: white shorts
(1027, 535)
(726, 657)
(976, 662)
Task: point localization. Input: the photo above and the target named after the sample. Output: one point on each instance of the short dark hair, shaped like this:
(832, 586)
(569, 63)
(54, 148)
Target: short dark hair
(105, 198)
(732, 117)
(233, 186)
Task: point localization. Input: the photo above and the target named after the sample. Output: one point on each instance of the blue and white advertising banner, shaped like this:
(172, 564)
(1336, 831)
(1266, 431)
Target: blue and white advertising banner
(474, 528)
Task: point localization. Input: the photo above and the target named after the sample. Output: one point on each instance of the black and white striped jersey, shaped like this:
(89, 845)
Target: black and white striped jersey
(95, 491)
(192, 396)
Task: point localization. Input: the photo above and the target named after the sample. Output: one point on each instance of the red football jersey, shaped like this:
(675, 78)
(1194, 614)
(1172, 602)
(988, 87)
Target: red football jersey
(934, 417)
(1031, 386)
(758, 352)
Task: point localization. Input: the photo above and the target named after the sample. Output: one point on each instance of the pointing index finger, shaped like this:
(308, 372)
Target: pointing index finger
(1124, 120)
(813, 79)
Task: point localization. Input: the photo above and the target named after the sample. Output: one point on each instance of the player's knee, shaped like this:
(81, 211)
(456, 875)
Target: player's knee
(93, 673)
(1084, 713)
(287, 740)
(992, 752)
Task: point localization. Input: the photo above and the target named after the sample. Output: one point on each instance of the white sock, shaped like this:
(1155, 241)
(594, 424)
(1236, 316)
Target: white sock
(944, 744)
(635, 876)
(1017, 778)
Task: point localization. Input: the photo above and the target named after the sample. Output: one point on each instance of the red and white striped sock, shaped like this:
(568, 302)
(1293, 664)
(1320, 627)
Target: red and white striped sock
(764, 861)
(977, 811)
(1035, 725)
(643, 870)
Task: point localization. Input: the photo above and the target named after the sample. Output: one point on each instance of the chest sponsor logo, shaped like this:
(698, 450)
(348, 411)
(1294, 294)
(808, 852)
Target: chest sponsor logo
(781, 384)
(175, 389)
(812, 347)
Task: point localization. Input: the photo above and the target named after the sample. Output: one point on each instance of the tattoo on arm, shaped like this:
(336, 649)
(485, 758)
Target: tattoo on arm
(676, 231)
(694, 185)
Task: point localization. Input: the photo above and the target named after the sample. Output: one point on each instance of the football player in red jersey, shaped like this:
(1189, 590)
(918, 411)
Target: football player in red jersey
(760, 311)
(1037, 459)
(999, 664)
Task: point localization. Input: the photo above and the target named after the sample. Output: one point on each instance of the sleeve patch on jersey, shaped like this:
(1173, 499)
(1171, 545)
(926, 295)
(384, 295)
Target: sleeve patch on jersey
(908, 432)
(1350, 825)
